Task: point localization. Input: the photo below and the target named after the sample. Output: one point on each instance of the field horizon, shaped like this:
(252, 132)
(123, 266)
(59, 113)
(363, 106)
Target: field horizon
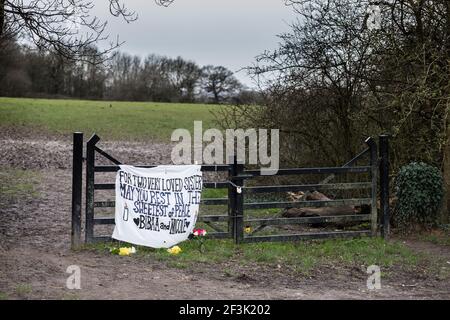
(115, 120)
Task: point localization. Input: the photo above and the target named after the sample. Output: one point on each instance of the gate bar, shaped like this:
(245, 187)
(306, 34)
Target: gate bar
(308, 187)
(107, 156)
(307, 203)
(323, 170)
(308, 220)
(90, 176)
(204, 168)
(307, 236)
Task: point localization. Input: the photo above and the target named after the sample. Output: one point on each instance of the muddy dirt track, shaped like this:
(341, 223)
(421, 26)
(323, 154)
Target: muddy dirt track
(35, 252)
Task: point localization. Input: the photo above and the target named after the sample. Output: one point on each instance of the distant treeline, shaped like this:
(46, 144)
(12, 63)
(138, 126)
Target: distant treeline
(28, 72)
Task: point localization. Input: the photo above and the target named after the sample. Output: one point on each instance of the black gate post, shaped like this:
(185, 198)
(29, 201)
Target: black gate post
(239, 204)
(77, 188)
(90, 174)
(384, 184)
(374, 187)
(237, 201)
(232, 171)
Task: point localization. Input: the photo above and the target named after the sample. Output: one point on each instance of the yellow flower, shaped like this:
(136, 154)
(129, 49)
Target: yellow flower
(248, 229)
(174, 250)
(124, 251)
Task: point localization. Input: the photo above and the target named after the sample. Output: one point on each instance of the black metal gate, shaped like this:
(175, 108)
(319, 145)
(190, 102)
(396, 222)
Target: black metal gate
(238, 183)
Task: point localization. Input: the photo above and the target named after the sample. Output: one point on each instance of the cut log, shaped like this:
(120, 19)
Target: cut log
(315, 212)
(316, 195)
(322, 211)
(296, 196)
(301, 196)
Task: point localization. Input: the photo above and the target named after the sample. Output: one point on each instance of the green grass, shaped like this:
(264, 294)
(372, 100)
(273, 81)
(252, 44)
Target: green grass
(302, 256)
(17, 184)
(110, 119)
(214, 193)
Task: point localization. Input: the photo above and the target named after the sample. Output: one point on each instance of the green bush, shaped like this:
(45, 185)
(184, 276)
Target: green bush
(420, 190)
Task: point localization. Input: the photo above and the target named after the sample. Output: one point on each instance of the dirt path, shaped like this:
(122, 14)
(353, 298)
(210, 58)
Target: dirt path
(35, 253)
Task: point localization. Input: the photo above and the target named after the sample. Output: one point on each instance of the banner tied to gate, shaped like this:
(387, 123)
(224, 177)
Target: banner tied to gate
(157, 207)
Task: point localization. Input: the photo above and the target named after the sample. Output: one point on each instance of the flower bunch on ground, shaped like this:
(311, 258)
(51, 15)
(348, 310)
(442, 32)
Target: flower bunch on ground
(199, 235)
(199, 232)
(174, 250)
(123, 251)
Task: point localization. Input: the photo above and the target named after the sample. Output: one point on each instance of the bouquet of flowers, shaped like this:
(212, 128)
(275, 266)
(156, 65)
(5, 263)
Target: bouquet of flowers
(199, 235)
(174, 250)
(123, 251)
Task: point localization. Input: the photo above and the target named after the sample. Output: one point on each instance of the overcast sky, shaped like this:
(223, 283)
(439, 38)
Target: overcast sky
(219, 32)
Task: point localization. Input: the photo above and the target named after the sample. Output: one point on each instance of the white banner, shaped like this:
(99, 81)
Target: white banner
(157, 207)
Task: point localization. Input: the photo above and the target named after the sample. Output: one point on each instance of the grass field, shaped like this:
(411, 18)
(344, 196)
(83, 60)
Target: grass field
(111, 119)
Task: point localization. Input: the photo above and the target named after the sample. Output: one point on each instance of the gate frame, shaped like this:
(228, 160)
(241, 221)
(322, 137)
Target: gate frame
(237, 175)
(242, 175)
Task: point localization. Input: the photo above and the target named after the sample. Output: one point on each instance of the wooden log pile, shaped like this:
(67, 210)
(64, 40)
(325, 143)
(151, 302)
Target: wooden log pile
(322, 211)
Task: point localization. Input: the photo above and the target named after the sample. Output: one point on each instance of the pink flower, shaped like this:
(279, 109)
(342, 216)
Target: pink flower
(199, 232)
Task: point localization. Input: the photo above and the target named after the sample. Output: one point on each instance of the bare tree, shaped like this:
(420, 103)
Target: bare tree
(315, 79)
(183, 76)
(62, 26)
(164, 3)
(334, 79)
(220, 82)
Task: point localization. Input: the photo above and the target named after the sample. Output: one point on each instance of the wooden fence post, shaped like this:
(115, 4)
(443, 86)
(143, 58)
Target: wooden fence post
(77, 188)
(384, 184)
